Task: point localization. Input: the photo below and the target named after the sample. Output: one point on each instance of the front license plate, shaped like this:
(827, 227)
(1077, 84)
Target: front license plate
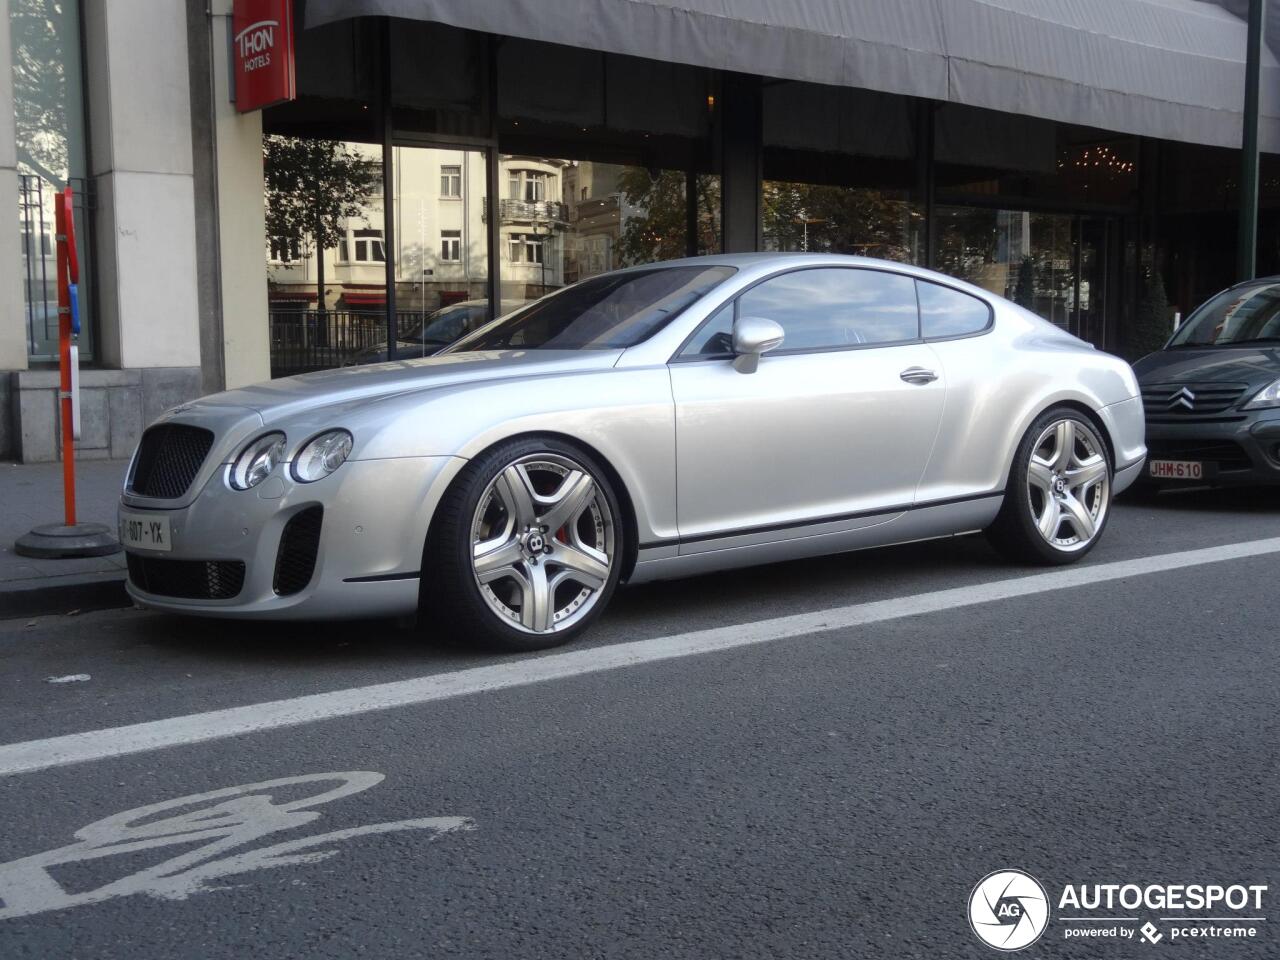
(147, 532)
(1176, 469)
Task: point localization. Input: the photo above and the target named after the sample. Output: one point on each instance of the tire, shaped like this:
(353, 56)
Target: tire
(494, 572)
(1056, 503)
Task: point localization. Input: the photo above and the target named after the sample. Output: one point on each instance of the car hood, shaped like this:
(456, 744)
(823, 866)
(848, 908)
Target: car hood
(1253, 364)
(347, 385)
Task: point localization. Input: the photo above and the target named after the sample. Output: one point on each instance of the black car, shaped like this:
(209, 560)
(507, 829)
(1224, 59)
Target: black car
(1212, 395)
(432, 333)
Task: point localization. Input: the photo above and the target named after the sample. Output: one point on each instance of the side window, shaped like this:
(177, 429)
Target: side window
(836, 307)
(949, 313)
(715, 338)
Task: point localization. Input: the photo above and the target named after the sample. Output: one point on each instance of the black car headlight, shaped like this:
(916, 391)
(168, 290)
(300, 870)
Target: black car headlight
(321, 455)
(257, 461)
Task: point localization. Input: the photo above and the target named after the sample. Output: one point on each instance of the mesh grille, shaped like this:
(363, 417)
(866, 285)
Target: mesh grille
(296, 561)
(1176, 400)
(169, 458)
(187, 579)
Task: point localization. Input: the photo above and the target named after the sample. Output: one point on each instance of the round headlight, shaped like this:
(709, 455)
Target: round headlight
(322, 455)
(257, 460)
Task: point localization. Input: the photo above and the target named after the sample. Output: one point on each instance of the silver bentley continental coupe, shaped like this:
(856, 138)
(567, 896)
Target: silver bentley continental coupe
(654, 422)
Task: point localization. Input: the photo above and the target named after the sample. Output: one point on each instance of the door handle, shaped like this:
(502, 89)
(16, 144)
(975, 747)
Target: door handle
(918, 375)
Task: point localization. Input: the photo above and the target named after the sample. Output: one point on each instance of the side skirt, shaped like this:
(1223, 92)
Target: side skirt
(925, 523)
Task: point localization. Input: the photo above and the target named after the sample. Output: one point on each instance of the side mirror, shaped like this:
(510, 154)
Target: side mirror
(753, 336)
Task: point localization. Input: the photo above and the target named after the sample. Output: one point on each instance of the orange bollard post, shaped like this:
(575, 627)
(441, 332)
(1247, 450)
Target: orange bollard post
(60, 219)
(69, 538)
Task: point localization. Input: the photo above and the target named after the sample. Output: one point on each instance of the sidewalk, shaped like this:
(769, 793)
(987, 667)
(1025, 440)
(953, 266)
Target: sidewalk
(30, 495)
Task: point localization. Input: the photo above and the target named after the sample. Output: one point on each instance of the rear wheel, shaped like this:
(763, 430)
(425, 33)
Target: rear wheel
(1058, 497)
(526, 548)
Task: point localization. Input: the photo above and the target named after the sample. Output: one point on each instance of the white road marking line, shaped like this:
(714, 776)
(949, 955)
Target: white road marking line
(236, 721)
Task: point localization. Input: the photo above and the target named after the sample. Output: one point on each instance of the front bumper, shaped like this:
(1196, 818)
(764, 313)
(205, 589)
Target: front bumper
(1237, 452)
(369, 552)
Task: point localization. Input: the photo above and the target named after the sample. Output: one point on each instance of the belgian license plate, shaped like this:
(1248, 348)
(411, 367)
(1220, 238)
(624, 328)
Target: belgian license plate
(146, 531)
(1175, 469)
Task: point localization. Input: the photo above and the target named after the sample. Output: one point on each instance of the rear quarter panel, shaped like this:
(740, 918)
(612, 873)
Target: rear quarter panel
(998, 383)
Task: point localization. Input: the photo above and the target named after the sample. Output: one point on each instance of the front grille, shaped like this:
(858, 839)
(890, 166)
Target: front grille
(186, 579)
(1178, 400)
(296, 559)
(169, 457)
(1227, 454)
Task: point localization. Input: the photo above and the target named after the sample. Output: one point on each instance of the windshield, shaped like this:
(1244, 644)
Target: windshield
(443, 326)
(1239, 315)
(609, 312)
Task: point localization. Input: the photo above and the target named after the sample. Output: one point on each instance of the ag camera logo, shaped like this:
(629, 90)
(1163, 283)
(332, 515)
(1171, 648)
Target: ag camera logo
(1008, 910)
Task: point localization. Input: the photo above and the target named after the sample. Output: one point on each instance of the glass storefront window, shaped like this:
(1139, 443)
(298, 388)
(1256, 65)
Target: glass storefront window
(817, 218)
(442, 259)
(325, 252)
(1023, 256)
(565, 220)
(840, 174)
(48, 115)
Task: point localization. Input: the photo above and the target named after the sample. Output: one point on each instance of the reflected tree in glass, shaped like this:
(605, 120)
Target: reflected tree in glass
(40, 87)
(819, 218)
(312, 188)
(655, 225)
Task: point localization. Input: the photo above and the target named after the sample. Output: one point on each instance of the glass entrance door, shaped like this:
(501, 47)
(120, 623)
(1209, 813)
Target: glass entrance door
(1063, 267)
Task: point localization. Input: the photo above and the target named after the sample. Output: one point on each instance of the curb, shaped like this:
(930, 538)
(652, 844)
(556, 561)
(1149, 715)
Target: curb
(59, 595)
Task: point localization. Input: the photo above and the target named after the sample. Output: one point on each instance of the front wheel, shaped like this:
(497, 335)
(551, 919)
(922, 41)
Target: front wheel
(526, 548)
(1058, 497)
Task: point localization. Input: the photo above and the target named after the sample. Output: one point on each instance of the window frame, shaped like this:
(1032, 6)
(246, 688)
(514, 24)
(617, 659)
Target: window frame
(451, 173)
(677, 356)
(529, 244)
(292, 247)
(371, 236)
(451, 238)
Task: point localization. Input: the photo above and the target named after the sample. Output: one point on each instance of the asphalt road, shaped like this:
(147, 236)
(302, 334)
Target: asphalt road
(827, 793)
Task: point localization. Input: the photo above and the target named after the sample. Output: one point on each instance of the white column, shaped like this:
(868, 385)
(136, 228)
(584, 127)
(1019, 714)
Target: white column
(241, 222)
(140, 156)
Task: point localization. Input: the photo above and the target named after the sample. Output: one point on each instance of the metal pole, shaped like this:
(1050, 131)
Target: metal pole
(390, 252)
(1247, 244)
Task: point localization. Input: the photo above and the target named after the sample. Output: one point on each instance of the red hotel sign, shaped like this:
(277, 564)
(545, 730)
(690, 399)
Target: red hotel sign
(262, 51)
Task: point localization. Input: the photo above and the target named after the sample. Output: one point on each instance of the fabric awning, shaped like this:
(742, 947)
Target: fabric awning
(1161, 68)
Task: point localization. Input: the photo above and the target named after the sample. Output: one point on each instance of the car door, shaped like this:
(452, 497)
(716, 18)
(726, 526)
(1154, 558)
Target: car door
(834, 428)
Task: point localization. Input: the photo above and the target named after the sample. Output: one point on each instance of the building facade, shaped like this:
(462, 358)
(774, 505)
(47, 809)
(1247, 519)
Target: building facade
(455, 153)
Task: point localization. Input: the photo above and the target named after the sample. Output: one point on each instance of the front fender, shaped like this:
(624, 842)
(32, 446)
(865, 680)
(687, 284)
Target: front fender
(627, 416)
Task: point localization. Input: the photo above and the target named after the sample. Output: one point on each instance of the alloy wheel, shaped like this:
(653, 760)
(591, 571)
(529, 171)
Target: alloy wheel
(1068, 484)
(542, 542)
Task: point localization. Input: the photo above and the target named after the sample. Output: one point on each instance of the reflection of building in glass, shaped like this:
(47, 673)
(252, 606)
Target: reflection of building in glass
(593, 196)
(532, 222)
(440, 254)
